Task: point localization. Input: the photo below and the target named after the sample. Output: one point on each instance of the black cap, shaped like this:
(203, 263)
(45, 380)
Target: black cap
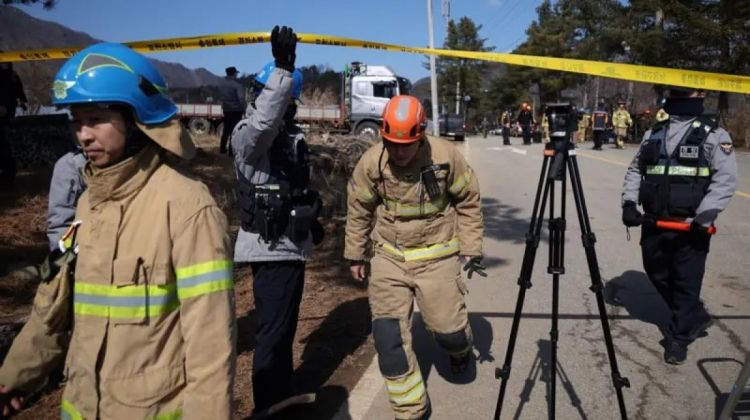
(680, 91)
(231, 71)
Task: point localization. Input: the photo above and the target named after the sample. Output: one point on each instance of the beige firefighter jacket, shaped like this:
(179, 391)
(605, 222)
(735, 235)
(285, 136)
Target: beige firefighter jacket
(153, 333)
(390, 206)
(621, 119)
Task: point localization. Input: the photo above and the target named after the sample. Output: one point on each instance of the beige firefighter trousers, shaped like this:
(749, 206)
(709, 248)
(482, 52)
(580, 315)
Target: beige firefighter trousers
(439, 291)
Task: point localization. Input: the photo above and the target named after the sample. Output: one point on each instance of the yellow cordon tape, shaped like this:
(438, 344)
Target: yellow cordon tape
(645, 74)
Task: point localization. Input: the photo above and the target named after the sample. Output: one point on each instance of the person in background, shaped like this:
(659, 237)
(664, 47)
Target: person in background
(232, 106)
(621, 121)
(526, 121)
(12, 95)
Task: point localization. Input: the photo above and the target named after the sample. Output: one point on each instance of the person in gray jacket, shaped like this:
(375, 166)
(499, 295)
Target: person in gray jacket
(277, 214)
(684, 171)
(232, 105)
(65, 189)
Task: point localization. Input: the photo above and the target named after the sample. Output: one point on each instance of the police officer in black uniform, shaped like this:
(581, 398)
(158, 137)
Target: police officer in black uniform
(685, 170)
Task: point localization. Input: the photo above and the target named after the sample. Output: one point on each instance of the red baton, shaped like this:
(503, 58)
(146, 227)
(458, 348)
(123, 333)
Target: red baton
(681, 226)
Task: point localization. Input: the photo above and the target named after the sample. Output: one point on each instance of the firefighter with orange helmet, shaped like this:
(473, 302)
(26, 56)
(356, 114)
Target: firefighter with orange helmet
(414, 201)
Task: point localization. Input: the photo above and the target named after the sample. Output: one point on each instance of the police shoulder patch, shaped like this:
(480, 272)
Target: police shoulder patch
(726, 147)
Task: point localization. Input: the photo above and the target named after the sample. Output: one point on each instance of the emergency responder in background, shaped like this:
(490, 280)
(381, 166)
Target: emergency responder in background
(416, 202)
(150, 297)
(277, 214)
(599, 122)
(11, 96)
(505, 123)
(661, 114)
(621, 121)
(232, 105)
(545, 127)
(485, 125)
(573, 124)
(65, 189)
(584, 126)
(526, 120)
(644, 122)
(685, 169)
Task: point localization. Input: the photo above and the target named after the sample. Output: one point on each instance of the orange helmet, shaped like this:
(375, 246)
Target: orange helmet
(404, 120)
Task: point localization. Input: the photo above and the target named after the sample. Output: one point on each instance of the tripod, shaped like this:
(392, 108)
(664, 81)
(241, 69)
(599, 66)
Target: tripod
(558, 155)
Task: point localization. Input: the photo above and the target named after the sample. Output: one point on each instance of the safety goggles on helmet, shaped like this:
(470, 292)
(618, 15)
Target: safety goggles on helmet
(113, 73)
(404, 120)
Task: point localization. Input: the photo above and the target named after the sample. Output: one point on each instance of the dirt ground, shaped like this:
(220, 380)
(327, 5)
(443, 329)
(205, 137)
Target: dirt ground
(332, 346)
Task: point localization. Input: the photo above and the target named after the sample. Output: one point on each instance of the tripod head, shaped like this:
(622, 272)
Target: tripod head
(563, 119)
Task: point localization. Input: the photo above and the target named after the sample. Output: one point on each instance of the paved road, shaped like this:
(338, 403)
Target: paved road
(508, 177)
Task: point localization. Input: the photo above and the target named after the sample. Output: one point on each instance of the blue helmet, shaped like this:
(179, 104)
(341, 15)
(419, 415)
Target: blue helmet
(113, 73)
(262, 78)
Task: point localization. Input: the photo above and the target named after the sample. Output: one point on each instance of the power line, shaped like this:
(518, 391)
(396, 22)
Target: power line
(499, 12)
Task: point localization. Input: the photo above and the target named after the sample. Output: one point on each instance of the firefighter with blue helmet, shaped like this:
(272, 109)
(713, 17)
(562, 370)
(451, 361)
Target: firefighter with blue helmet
(685, 171)
(278, 216)
(143, 303)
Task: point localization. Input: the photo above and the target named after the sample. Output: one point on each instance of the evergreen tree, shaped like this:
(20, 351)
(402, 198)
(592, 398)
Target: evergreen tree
(461, 35)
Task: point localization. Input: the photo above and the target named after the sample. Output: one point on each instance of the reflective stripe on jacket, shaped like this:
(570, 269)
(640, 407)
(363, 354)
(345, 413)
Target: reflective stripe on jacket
(396, 213)
(154, 329)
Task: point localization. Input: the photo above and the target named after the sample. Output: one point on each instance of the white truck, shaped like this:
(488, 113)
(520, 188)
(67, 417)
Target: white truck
(364, 92)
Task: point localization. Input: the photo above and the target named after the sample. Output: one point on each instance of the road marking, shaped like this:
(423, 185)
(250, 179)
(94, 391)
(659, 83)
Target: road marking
(618, 163)
(519, 151)
(614, 162)
(363, 395)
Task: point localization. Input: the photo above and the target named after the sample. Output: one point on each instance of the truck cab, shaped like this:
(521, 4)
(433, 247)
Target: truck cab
(366, 91)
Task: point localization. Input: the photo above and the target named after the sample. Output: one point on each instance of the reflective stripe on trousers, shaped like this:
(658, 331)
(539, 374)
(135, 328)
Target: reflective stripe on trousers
(69, 412)
(407, 390)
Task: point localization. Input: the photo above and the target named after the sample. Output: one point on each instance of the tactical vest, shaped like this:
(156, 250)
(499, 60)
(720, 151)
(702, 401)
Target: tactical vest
(283, 206)
(599, 121)
(674, 185)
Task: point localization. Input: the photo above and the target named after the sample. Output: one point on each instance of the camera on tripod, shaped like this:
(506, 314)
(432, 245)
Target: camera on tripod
(562, 120)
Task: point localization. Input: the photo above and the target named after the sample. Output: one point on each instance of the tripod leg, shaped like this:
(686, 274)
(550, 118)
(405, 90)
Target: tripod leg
(589, 239)
(524, 280)
(556, 267)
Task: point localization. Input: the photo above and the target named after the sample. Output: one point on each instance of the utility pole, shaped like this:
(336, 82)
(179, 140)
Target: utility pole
(596, 92)
(433, 75)
(458, 96)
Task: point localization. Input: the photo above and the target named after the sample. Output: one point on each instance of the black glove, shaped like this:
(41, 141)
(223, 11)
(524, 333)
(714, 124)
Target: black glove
(631, 217)
(474, 265)
(699, 230)
(283, 46)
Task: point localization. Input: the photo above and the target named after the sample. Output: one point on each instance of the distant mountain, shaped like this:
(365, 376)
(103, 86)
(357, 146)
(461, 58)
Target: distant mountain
(20, 31)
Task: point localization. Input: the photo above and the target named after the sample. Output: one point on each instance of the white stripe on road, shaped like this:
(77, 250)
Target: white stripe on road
(363, 395)
(512, 149)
